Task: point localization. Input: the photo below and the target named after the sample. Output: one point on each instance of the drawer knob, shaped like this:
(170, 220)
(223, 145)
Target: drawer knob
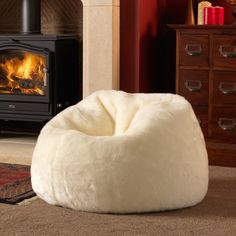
(193, 49)
(227, 51)
(227, 124)
(227, 88)
(193, 85)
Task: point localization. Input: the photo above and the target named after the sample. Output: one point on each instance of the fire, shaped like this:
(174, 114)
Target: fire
(23, 74)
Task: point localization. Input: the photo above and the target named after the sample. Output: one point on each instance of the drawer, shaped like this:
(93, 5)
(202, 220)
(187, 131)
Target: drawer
(194, 50)
(224, 87)
(224, 51)
(20, 107)
(201, 113)
(194, 86)
(222, 125)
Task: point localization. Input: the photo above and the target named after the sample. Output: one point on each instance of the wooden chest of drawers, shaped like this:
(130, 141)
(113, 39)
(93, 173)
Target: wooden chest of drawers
(206, 76)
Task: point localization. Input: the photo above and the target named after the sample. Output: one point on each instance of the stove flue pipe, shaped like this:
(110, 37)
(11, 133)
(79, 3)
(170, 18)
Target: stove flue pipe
(31, 16)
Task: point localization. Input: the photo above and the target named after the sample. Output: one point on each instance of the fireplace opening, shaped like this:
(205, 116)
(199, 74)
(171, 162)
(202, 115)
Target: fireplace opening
(22, 72)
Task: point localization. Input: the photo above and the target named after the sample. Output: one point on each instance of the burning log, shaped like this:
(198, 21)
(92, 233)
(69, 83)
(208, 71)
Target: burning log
(28, 83)
(6, 90)
(10, 90)
(3, 81)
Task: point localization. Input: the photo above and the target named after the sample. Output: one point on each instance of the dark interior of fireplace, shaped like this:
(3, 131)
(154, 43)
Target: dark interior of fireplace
(40, 61)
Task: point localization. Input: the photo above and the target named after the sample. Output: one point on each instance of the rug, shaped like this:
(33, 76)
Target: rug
(15, 183)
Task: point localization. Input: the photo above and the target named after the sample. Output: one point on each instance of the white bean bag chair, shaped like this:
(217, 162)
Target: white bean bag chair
(116, 152)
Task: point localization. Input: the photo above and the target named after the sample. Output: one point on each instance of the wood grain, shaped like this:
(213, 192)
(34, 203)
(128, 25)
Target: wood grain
(219, 121)
(221, 154)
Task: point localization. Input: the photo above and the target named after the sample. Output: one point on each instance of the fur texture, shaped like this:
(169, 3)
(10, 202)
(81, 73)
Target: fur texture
(116, 152)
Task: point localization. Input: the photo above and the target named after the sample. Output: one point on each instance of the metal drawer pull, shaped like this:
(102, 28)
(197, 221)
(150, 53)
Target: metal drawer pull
(227, 88)
(227, 124)
(227, 51)
(193, 85)
(193, 49)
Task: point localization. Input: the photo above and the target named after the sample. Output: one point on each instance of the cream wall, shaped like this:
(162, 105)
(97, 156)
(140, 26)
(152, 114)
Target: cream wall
(101, 45)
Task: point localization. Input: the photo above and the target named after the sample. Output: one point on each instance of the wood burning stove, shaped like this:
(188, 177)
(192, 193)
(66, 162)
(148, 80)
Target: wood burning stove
(39, 74)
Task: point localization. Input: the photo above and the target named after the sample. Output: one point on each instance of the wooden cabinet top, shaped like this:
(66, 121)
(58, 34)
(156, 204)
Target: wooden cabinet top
(203, 27)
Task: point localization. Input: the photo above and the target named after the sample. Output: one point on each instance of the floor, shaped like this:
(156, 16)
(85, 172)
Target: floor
(214, 216)
(17, 148)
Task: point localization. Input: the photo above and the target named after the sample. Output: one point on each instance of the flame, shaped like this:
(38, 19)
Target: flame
(23, 74)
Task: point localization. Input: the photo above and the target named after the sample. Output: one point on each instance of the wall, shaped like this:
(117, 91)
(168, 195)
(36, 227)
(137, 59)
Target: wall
(148, 45)
(145, 52)
(149, 35)
(58, 16)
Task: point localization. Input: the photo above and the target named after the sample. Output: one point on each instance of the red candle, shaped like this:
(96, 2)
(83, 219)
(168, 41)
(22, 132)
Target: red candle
(219, 14)
(209, 16)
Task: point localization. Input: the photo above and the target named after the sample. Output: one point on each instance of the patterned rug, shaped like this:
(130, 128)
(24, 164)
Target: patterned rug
(15, 183)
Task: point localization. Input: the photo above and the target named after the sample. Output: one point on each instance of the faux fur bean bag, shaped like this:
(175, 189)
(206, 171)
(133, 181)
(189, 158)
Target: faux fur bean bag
(116, 152)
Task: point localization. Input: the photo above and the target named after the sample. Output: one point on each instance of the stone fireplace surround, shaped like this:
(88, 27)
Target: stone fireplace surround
(101, 45)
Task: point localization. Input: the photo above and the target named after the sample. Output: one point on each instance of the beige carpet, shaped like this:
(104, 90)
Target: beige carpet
(215, 216)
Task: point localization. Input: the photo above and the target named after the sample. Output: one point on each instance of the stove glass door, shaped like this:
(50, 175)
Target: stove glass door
(22, 72)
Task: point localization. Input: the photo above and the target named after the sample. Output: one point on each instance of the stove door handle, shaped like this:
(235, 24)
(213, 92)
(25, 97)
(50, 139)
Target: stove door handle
(45, 71)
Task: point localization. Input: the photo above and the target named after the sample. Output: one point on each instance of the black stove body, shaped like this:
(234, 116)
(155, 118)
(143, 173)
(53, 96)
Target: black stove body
(39, 76)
